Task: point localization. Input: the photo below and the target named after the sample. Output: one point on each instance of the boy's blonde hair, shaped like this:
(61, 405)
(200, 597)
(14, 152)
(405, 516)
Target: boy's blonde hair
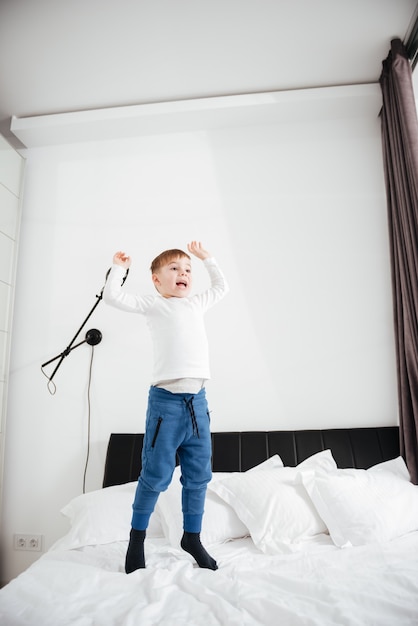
(166, 257)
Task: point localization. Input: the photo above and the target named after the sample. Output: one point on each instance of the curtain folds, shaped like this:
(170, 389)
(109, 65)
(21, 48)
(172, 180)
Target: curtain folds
(400, 154)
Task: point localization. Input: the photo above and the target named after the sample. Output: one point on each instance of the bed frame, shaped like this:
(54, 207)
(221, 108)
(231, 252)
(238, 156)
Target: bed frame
(239, 451)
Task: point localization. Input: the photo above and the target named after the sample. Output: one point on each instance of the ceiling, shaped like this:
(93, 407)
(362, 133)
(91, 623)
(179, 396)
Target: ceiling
(60, 56)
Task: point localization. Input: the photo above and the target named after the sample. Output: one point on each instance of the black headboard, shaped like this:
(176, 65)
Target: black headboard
(238, 451)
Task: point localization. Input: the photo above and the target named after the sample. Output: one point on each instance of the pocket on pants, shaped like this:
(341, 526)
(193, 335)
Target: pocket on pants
(156, 431)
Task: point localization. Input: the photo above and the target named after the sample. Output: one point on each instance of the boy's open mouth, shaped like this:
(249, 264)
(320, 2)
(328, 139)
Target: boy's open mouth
(181, 283)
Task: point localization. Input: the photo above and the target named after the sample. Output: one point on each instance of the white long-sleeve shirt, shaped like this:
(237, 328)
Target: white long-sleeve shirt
(176, 324)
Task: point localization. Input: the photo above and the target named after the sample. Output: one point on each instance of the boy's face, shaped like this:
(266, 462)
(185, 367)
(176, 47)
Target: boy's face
(174, 280)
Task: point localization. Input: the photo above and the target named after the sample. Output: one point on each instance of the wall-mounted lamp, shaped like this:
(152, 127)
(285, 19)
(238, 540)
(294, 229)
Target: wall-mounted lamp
(93, 337)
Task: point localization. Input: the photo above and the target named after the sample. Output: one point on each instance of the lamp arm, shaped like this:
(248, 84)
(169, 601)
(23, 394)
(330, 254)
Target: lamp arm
(93, 336)
(70, 346)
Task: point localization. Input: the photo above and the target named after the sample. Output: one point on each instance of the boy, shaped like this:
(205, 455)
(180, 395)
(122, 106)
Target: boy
(177, 418)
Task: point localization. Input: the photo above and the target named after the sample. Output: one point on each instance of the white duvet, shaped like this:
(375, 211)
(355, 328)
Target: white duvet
(318, 584)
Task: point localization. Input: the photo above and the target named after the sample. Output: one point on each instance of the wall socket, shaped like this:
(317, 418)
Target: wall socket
(28, 542)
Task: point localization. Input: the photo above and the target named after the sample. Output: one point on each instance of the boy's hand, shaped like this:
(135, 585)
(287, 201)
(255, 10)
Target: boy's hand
(196, 248)
(120, 258)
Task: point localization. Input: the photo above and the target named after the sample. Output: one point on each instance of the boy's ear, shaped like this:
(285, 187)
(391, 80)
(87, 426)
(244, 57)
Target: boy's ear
(155, 279)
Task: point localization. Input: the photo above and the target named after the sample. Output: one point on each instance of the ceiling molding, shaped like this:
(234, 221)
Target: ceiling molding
(200, 114)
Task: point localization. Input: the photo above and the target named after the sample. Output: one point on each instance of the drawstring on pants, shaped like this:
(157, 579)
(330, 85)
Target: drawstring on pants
(189, 405)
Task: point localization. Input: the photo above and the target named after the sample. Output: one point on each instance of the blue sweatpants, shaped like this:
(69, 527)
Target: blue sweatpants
(175, 423)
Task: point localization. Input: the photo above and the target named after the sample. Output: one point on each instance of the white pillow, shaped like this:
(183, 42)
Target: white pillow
(220, 522)
(273, 504)
(102, 516)
(365, 506)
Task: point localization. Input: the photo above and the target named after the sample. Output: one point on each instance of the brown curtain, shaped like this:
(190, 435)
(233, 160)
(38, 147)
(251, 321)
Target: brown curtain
(400, 155)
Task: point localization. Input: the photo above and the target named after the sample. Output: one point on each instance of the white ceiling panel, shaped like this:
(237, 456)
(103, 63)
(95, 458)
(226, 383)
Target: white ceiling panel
(59, 56)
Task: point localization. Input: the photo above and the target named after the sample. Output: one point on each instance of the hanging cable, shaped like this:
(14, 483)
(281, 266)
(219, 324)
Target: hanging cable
(51, 386)
(88, 418)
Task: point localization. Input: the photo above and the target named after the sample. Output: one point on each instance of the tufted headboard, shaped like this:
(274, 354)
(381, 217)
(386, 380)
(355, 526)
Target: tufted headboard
(239, 451)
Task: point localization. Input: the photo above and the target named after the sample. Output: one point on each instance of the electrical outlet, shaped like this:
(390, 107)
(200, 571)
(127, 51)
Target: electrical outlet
(28, 542)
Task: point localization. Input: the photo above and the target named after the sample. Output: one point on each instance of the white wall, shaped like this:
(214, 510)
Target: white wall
(295, 214)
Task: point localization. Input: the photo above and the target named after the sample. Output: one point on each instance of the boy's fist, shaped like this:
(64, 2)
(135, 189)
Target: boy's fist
(122, 259)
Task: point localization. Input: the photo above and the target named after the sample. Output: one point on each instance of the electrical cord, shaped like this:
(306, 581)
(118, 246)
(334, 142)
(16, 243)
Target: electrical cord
(52, 389)
(51, 386)
(88, 419)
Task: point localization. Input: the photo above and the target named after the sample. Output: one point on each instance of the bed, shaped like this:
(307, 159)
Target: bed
(312, 527)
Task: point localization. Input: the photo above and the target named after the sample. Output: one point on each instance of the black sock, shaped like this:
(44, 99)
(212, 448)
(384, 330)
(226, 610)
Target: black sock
(191, 543)
(135, 558)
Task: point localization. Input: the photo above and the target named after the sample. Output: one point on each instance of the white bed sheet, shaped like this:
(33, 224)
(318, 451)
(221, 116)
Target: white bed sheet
(318, 585)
